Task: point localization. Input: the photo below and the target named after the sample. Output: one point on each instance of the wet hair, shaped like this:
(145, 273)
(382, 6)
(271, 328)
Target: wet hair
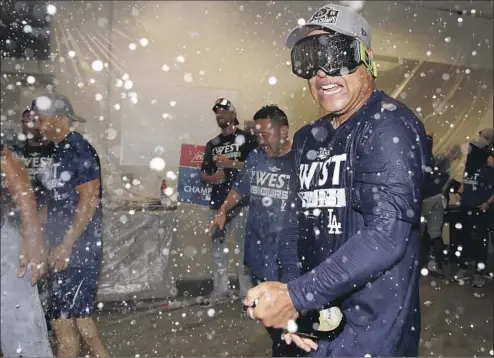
(273, 112)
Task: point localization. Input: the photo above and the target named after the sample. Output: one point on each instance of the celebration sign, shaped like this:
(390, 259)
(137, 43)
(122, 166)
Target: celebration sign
(190, 188)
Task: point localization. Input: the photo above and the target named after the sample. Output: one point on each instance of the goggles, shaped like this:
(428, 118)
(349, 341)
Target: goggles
(334, 53)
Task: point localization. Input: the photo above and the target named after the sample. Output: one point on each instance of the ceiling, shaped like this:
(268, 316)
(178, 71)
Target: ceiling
(482, 8)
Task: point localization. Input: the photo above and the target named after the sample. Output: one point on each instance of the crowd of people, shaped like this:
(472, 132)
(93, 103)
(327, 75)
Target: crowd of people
(329, 226)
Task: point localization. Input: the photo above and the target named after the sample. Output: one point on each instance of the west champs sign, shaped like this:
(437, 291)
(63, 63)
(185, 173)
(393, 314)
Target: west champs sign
(190, 188)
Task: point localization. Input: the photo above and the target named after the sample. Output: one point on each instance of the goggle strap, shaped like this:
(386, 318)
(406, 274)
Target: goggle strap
(367, 60)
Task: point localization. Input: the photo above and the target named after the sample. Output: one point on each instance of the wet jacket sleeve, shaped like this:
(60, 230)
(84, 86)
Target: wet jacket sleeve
(288, 243)
(388, 181)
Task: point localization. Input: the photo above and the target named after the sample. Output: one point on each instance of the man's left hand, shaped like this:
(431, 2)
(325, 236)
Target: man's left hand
(60, 257)
(273, 305)
(222, 161)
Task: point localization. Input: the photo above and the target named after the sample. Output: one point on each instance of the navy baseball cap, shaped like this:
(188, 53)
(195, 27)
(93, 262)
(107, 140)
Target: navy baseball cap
(55, 105)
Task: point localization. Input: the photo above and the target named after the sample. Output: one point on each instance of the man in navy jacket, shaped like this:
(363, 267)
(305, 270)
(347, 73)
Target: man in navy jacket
(351, 238)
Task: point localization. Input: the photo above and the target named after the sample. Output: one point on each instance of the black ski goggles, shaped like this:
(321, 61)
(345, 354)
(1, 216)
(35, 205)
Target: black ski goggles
(334, 53)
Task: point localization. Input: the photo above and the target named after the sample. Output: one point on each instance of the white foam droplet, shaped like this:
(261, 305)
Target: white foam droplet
(97, 65)
(51, 9)
(157, 164)
(188, 77)
(144, 42)
(171, 175)
(211, 312)
(165, 68)
(272, 80)
(180, 59)
(43, 103)
(111, 133)
(292, 327)
(128, 84)
(65, 176)
(169, 191)
(424, 272)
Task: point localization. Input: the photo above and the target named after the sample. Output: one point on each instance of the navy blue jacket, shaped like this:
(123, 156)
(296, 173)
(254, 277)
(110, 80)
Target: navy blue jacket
(351, 238)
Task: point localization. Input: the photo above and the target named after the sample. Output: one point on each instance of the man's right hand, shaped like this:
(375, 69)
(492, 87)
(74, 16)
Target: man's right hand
(219, 220)
(219, 177)
(35, 256)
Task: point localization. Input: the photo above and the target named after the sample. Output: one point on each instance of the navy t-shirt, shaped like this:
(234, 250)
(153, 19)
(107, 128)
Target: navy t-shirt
(358, 204)
(236, 146)
(75, 162)
(478, 180)
(266, 181)
(36, 160)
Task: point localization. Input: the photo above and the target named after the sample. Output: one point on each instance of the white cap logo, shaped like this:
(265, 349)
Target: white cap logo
(325, 15)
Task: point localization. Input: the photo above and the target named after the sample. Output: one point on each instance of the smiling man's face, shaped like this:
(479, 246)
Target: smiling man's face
(339, 94)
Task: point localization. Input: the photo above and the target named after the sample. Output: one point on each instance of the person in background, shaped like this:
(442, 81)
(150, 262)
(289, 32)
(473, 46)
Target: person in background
(223, 158)
(24, 261)
(360, 172)
(74, 227)
(264, 179)
(437, 180)
(36, 153)
(477, 196)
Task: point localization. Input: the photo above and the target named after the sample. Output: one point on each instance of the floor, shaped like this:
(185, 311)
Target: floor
(457, 320)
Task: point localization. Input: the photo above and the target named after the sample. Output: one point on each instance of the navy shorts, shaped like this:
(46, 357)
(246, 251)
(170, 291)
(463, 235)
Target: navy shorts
(73, 292)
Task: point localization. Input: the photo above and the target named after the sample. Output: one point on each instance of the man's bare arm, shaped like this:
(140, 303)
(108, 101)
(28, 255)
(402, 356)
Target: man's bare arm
(88, 203)
(19, 187)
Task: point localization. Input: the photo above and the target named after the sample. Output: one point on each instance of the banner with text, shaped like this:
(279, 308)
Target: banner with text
(190, 188)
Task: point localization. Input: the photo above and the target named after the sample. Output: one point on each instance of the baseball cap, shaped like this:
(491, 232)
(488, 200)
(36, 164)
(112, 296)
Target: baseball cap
(55, 105)
(484, 138)
(225, 104)
(338, 18)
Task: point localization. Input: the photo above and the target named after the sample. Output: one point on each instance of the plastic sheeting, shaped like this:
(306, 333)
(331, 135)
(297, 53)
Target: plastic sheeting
(136, 246)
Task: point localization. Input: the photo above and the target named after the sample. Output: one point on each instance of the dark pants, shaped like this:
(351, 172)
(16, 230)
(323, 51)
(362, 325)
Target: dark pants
(280, 348)
(475, 224)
